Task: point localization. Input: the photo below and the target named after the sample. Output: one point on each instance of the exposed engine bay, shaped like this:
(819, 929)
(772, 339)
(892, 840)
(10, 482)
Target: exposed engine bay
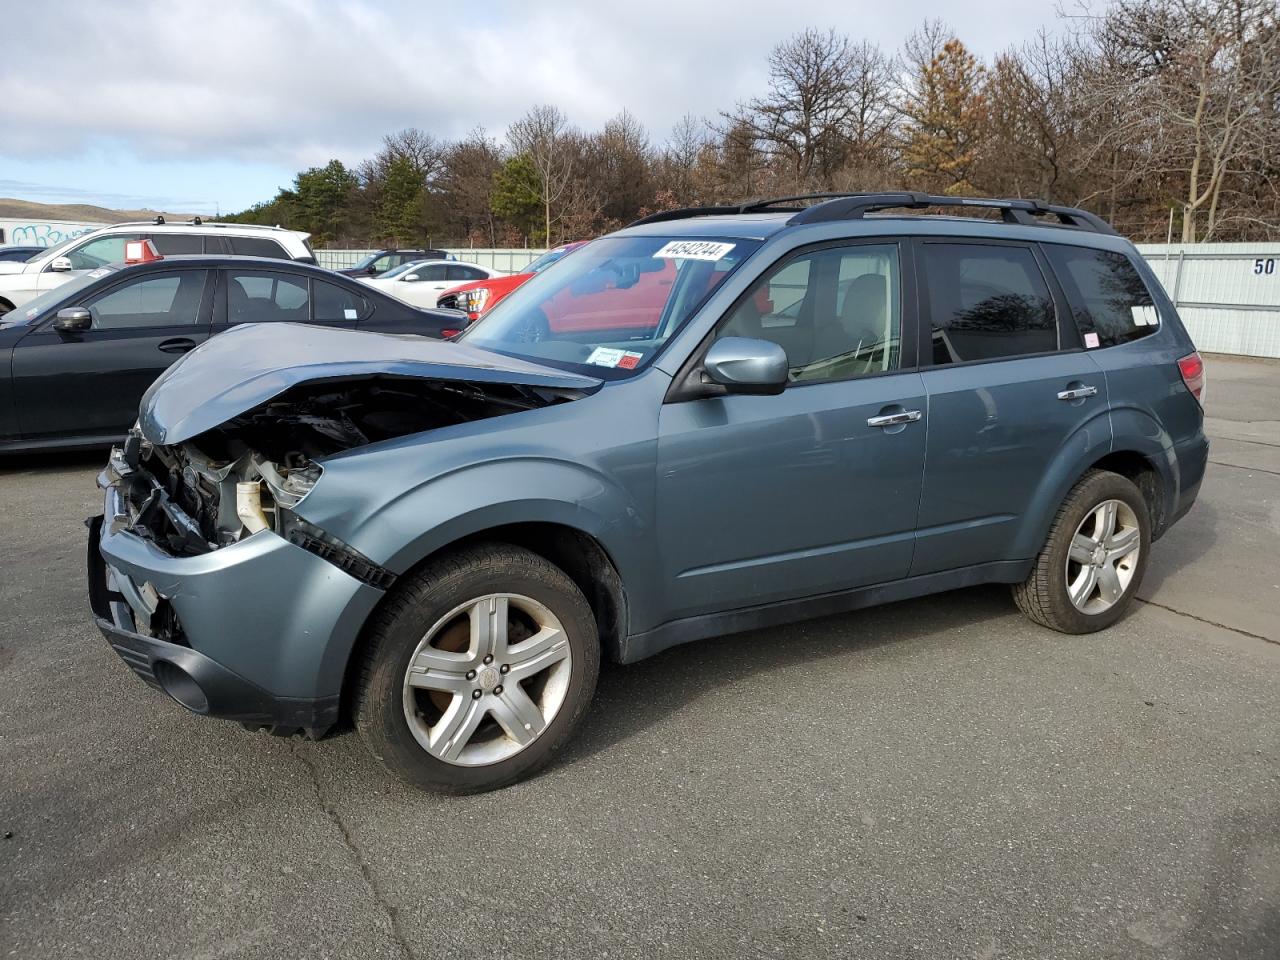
(246, 474)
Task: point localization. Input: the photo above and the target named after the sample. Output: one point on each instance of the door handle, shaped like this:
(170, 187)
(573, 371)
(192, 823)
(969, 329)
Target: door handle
(175, 345)
(1078, 393)
(894, 419)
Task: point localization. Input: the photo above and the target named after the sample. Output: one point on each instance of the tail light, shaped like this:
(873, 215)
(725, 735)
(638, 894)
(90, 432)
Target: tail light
(1192, 369)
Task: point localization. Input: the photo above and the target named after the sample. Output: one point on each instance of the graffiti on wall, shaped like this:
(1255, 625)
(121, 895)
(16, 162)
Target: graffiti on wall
(44, 234)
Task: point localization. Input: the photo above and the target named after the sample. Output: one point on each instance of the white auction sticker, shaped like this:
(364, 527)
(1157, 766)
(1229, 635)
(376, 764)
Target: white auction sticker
(1090, 339)
(606, 356)
(694, 250)
(1145, 316)
(350, 314)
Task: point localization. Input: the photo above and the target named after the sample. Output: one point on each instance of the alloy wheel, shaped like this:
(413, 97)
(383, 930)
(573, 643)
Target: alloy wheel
(487, 679)
(1103, 557)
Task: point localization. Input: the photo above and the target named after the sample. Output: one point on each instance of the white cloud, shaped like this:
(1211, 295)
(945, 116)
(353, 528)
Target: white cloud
(293, 83)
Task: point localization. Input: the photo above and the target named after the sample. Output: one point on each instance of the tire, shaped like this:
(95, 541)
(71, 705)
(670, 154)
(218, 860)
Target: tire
(459, 723)
(1061, 568)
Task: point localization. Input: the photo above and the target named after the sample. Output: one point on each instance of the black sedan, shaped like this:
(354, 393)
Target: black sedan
(16, 254)
(75, 361)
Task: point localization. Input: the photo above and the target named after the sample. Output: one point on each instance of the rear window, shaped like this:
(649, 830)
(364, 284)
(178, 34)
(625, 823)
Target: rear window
(333, 302)
(256, 247)
(177, 244)
(1108, 297)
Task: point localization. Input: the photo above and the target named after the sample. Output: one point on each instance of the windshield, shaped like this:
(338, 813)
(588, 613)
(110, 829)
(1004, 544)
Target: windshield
(608, 309)
(400, 270)
(364, 264)
(56, 249)
(31, 311)
(546, 260)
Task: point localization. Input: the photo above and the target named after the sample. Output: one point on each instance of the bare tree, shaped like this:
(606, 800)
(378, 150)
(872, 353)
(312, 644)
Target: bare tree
(805, 118)
(1199, 91)
(544, 136)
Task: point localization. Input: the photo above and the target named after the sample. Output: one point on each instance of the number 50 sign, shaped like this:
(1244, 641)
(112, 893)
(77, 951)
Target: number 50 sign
(1264, 267)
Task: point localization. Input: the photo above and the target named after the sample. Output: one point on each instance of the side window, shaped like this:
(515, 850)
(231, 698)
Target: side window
(100, 252)
(987, 302)
(434, 272)
(836, 312)
(177, 244)
(261, 296)
(336, 303)
(461, 274)
(157, 300)
(384, 263)
(1107, 295)
(256, 247)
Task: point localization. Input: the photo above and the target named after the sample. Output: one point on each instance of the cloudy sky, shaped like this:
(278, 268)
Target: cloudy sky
(197, 106)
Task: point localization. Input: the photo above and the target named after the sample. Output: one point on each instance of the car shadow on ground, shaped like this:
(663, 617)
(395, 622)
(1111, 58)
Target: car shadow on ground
(20, 463)
(630, 698)
(1182, 546)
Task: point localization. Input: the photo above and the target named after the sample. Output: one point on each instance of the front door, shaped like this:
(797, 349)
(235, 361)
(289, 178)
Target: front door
(90, 383)
(1009, 386)
(762, 498)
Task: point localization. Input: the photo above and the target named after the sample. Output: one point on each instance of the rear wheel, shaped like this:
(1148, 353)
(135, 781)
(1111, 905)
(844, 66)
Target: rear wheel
(478, 670)
(1093, 560)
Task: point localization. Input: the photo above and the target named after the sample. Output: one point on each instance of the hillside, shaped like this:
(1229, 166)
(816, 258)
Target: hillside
(79, 212)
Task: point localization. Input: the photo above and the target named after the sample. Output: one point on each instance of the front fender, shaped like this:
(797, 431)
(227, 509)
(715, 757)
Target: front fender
(428, 516)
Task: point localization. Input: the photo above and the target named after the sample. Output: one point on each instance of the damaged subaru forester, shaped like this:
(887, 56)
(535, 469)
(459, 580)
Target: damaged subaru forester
(715, 420)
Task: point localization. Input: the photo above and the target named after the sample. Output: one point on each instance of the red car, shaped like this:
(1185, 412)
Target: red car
(479, 296)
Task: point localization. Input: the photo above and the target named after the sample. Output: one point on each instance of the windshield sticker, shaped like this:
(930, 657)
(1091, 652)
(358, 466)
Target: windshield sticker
(630, 360)
(350, 314)
(1091, 340)
(1145, 316)
(694, 250)
(606, 357)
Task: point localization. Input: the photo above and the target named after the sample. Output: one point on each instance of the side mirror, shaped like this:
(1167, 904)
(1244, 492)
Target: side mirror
(747, 365)
(60, 265)
(73, 320)
(411, 277)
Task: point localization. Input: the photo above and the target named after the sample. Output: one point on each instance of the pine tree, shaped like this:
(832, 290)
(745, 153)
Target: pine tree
(945, 112)
(400, 212)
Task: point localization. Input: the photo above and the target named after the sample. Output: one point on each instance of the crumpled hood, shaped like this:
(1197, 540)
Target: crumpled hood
(246, 366)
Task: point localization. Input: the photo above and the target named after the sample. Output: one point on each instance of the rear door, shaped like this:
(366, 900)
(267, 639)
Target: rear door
(275, 296)
(78, 384)
(1009, 387)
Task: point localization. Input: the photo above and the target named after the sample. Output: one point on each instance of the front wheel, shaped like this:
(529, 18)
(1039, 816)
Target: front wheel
(1093, 560)
(478, 670)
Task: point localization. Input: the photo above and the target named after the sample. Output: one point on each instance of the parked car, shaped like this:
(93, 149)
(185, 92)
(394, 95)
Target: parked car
(380, 261)
(19, 282)
(15, 254)
(75, 361)
(421, 282)
(480, 296)
(828, 409)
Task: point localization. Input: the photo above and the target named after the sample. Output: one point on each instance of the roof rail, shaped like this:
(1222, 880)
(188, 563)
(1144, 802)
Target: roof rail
(195, 222)
(853, 206)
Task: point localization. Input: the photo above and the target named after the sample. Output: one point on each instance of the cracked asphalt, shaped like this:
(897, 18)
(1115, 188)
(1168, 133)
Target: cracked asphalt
(936, 778)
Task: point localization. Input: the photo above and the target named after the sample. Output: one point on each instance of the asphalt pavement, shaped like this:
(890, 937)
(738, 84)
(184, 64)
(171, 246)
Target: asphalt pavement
(937, 778)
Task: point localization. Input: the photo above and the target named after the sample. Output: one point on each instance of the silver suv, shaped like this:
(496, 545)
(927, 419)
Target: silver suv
(20, 282)
(714, 420)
